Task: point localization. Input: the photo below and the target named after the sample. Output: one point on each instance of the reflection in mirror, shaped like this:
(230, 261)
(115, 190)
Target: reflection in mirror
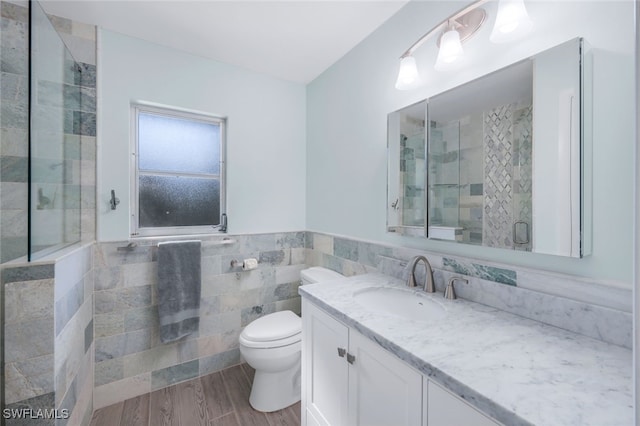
(508, 159)
(480, 160)
(407, 167)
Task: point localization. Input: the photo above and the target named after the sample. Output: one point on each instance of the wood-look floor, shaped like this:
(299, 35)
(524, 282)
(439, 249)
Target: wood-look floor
(219, 399)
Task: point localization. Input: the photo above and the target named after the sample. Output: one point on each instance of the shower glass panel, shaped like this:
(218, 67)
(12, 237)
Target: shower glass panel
(444, 174)
(407, 163)
(414, 159)
(56, 120)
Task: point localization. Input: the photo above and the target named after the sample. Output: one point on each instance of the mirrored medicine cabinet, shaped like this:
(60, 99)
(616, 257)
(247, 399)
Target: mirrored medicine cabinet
(503, 161)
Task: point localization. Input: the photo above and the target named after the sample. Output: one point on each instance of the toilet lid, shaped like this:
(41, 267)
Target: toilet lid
(275, 326)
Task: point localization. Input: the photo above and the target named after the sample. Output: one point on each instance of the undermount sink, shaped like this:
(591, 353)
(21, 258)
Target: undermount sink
(401, 303)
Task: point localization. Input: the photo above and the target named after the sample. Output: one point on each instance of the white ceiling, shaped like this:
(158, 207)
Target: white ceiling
(295, 40)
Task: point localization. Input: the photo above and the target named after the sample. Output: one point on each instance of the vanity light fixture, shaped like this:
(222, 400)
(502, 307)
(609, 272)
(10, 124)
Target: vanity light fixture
(408, 77)
(512, 22)
(450, 49)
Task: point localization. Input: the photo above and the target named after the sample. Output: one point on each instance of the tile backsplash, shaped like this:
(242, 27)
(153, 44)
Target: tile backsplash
(599, 310)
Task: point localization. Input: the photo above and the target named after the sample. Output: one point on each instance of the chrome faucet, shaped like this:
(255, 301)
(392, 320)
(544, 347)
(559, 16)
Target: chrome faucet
(429, 287)
(450, 291)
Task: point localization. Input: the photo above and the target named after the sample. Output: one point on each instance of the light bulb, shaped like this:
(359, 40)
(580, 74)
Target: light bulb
(450, 50)
(408, 77)
(512, 21)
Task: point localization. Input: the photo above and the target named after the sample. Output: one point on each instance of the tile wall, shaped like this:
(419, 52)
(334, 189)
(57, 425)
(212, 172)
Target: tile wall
(49, 337)
(73, 328)
(48, 305)
(130, 359)
(507, 177)
(80, 124)
(29, 336)
(79, 128)
(14, 117)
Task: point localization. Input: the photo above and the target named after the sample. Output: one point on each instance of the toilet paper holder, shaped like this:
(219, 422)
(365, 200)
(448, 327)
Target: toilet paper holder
(246, 264)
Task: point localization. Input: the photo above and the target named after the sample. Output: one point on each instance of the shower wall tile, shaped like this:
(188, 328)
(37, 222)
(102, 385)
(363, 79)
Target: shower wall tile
(28, 339)
(13, 59)
(74, 358)
(79, 95)
(14, 115)
(78, 400)
(13, 127)
(28, 332)
(28, 378)
(49, 338)
(40, 402)
(13, 169)
(14, 12)
(80, 121)
(28, 300)
(14, 142)
(83, 50)
(127, 342)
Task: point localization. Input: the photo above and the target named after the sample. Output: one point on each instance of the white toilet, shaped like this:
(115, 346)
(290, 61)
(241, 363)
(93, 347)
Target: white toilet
(271, 345)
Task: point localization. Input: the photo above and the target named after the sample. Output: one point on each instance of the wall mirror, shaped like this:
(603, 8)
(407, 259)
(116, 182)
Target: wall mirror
(502, 161)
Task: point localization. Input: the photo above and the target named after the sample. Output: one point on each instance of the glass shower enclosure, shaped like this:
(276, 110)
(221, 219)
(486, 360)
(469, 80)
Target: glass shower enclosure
(56, 118)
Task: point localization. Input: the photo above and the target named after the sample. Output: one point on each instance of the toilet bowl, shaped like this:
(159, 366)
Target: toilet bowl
(272, 346)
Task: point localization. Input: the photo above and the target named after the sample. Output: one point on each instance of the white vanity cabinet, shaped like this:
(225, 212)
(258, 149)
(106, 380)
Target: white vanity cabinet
(349, 380)
(446, 409)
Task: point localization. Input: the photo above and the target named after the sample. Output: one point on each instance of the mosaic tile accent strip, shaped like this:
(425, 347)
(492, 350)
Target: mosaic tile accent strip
(498, 177)
(490, 273)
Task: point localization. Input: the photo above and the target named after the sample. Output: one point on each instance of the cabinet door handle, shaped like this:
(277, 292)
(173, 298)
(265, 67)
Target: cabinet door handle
(351, 358)
(342, 352)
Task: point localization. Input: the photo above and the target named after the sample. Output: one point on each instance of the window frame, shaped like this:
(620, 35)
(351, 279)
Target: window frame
(136, 230)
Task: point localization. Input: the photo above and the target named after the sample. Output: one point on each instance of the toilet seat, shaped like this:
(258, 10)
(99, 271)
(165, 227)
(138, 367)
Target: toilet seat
(272, 331)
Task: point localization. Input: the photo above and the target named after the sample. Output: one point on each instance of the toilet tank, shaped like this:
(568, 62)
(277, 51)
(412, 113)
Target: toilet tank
(317, 274)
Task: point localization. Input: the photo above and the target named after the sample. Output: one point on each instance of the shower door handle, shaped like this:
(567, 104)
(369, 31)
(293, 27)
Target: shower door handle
(114, 200)
(515, 228)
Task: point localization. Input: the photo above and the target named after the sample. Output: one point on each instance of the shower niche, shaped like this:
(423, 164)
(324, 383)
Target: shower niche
(502, 161)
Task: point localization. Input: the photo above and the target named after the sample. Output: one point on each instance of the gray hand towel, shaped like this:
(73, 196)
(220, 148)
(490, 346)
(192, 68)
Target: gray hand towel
(179, 279)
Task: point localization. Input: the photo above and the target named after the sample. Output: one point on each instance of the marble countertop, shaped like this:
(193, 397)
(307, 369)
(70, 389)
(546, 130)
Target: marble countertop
(518, 371)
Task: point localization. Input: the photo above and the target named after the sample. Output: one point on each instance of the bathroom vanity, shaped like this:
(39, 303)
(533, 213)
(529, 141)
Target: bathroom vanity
(473, 365)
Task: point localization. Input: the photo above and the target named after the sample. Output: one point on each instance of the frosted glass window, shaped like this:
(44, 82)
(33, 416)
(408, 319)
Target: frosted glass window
(177, 144)
(178, 201)
(179, 182)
